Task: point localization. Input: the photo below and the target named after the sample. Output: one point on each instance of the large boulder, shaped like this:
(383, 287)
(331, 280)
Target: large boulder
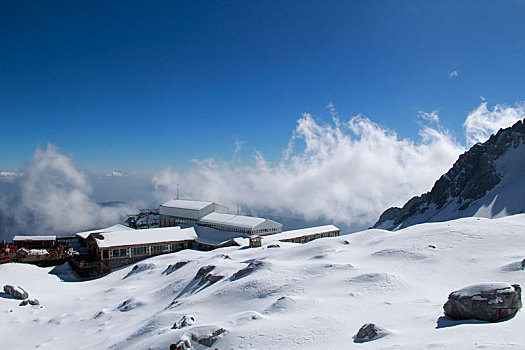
(16, 292)
(486, 301)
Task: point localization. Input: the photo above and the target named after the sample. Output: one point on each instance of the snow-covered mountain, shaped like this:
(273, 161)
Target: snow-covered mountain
(310, 296)
(486, 181)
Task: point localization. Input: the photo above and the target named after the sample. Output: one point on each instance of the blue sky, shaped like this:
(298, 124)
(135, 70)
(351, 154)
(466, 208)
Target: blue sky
(139, 86)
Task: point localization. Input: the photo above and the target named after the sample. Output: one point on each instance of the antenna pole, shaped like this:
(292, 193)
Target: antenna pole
(177, 191)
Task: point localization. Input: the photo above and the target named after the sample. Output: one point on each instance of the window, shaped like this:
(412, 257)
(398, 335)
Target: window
(138, 251)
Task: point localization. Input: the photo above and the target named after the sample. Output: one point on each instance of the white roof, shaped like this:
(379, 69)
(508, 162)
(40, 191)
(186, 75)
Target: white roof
(147, 236)
(186, 204)
(301, 232)
(208, 235)
(232, 220)
(117, 227)
(34, 238)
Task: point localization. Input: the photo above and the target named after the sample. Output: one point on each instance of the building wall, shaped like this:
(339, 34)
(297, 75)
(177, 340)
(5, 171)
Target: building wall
(145, 250)
(309, 238)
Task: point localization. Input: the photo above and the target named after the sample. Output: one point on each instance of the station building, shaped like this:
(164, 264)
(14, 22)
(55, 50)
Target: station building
(215, 216)
(189, 212)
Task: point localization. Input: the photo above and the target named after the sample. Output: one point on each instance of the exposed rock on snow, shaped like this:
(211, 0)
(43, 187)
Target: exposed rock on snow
(172, 268)
(16, 292)
(368, 332)
(183, 344)
(210, 339)
(247, 270)
(210, 278)
(30, 302)
(487, 302)
(186, 320)
(129, 305)
(203, 271)
(140, 268)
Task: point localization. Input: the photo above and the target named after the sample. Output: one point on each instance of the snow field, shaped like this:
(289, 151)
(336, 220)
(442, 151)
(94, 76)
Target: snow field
(310, 296)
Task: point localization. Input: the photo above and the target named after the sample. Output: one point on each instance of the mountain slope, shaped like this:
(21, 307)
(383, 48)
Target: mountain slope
(486, 181)
(309, 296)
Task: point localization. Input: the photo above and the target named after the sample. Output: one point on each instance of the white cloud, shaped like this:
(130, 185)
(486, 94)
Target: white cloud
(348, 172)
(238, 145)
(483, 122)
(53, 196)
(453, 74)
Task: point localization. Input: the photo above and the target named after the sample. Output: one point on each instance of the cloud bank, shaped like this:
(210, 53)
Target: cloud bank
(52, 196)
(345, 172)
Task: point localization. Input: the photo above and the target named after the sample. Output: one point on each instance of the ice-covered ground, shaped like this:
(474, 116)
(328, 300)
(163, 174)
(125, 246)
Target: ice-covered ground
(294, 296)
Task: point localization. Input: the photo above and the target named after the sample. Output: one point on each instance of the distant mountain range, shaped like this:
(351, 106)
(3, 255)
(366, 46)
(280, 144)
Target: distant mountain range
(486, 181)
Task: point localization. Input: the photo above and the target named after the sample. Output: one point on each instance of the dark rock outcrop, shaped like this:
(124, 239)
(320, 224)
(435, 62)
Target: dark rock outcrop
(208, 340)
(487, 302)
(16, 292)
(203, 271)
(183, 344)
(247, 270)
(185, 321)
(172, 268)
(469, 179)
(368, 332)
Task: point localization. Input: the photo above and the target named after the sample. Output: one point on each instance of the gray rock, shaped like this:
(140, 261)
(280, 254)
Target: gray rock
(210, 278)
(203, 271)
(16, 292)
(487, 302)
(248, 269)
(34, 302)
(183, 344)
(369, 331)
(186, 320)
(210, 339)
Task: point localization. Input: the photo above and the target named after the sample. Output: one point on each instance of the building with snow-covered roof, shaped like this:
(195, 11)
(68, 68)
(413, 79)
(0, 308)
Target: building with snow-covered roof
(305, 235)
(247, 225)
(35, 242)
(118, 248)
(117, 227)
(184, 211)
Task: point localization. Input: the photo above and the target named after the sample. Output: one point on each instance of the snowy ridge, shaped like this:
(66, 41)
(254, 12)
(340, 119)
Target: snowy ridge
(291, 297)
(486, 181)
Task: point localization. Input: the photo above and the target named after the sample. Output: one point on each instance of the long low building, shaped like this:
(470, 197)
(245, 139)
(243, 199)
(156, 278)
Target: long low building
(247, 225)
(305, 235)
(119, 247)
(35, 242)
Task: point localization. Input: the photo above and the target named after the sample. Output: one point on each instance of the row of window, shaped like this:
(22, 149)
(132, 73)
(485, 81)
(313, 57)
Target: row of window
(155, 249)
(307, 239)
(168, 220)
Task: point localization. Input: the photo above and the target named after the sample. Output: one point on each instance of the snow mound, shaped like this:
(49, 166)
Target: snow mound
(140, 268)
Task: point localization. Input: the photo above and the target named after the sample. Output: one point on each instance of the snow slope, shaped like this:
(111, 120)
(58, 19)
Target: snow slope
(310, 296)
(486, 181)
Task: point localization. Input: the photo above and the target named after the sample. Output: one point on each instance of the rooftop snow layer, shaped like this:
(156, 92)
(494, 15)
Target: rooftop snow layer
(117, 227)
(186, 204)
(484, 287)
(213, 236)
(147, 236)
(34, 238)
(232, 220)
(301, 232)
